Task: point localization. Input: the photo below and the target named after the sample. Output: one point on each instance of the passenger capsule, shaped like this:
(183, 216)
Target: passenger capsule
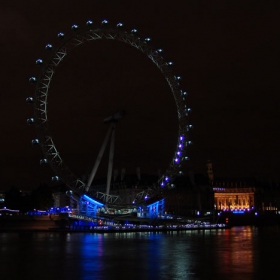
(119, 25)
(32, 80)
(134, 30)
(55, 178)
(74, 27)
(89, 22)
(30, 121)
(147, 40)
(43, 161)
(48, 47)
(104, 21)
(29, 100)
(61, 35)
(39, 61)
(35, 141)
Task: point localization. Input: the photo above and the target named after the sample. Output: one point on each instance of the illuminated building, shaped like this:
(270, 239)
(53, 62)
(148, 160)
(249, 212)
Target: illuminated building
(230, 199)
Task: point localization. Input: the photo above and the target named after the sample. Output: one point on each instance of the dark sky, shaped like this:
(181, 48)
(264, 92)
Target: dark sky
(227, 53)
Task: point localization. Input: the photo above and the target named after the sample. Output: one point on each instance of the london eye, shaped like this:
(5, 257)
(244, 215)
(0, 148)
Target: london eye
(79, 36)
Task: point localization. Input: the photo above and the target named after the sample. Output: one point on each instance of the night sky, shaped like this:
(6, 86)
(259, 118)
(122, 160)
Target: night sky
(227, 53)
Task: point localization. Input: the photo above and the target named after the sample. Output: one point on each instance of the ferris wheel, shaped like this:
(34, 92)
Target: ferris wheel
(79, 36)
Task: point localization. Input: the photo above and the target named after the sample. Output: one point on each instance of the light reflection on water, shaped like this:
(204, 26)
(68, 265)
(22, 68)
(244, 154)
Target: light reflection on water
(238, 253)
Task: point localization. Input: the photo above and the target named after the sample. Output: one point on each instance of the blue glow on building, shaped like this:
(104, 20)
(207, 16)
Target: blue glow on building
(89, 206)
(91, 200)
(153, 210)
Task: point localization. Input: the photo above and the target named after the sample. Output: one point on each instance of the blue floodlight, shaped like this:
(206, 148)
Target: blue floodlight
(92, 200)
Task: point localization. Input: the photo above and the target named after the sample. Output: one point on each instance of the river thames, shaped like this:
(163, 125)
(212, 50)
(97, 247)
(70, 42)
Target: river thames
(236, 253)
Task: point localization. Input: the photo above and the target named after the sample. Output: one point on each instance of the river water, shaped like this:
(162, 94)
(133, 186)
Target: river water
(236, 253)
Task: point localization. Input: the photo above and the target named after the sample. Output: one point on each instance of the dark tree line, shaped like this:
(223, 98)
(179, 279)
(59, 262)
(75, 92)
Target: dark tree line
(40, 199)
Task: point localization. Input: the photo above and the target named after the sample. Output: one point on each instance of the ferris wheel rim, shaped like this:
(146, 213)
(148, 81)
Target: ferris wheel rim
(77, 38)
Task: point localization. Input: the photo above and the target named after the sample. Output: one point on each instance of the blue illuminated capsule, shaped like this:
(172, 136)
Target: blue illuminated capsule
(178, 78)
(29, 100)
(39, 61)
(147, 40)
(48, 47)
(74, 27)
(160, 50)
(55, 178)
(35, 141)
(30, 121)
(32, 80)
(134, 30)
(104, 21)
(89, 22)
(170, 63)
(119, 24)
(61, 35)
(43, 161)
